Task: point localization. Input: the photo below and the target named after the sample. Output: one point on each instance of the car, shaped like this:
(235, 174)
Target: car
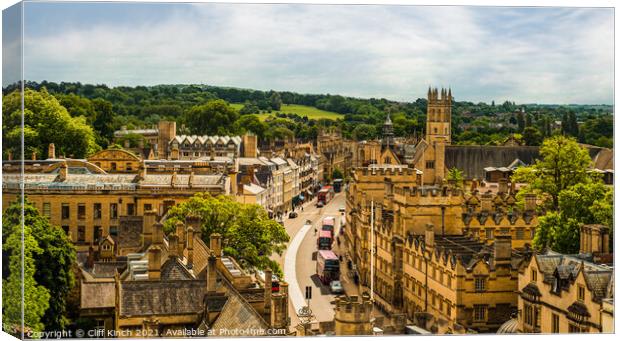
(319, 204)
(336, 287)
(341, 209)
(292, 215)
(308, 222)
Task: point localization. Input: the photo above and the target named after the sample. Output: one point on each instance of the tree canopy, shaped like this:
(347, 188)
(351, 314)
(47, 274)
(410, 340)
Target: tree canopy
(216, 117)
(247, 232)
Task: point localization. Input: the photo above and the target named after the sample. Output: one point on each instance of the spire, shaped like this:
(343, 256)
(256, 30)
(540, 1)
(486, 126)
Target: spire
(429, 93)
(388, 120)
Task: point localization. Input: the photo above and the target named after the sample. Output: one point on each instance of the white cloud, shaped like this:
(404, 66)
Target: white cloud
(550, 55)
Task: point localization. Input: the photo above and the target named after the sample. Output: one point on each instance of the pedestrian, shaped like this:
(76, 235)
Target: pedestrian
(302, 208)
(315, 231)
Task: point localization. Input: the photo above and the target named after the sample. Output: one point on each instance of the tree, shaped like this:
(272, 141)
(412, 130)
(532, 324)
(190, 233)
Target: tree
(247, 232)
(215, 117)
(455, 176)
(557, 233)
(104, 118)
(520, 122)
(563, 164)
(45, 122)
(532, 136)
(251, 123)
(364, 132)
(337, 173)
(55, 257)
(275, 101)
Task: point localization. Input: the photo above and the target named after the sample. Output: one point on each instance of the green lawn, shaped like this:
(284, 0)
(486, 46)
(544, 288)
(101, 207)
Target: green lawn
(301, 110)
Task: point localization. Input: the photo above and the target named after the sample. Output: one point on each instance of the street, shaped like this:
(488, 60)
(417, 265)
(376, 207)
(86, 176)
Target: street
(299, 260)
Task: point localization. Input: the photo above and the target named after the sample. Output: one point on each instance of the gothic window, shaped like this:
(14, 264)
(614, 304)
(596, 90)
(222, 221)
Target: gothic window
(435, 130)
(430, 164)
(480, 312)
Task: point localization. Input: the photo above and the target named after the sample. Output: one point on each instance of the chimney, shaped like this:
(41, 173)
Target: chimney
(51, 151)
(502, 250)
(154, 263)
(267, 288)
(474, 185)
(62, 174)
(194, 222)
(181, 235)
(190, 247)
(429, 237)
(503, 186)
(34, 156)
(513, 189)
(142, 171)
(530, 202)
(148, 221)
(486, 202)
(211, 273)
(158, 234)
(173, 245)
(215, 244)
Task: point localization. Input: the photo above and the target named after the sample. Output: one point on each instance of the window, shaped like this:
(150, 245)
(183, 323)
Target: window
(505, 231)
(449, 281)
(47, 209)
(480, 313)
(113, 211)
(98, 233)
(131, 209)
(65, 211)
(433, 299)
(430, 164)
(440, 304)
(448, 308)
(440, 277)
(81, 211)
(66, 229)
(113, 166)
(97, 211)
(489, 233)
(534, 276)
(555, 323)
(147, 207)
(81, 233)
(435, 130)
(520, 234)
(480, 283)
(128, 166)
(113, 231)
(532, 233)
(581, 293)
(419, 290)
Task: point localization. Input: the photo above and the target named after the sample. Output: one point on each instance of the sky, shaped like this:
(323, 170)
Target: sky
(527, 55)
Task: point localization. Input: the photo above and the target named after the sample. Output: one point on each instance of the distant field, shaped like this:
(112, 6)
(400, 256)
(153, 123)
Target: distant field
(301, 110)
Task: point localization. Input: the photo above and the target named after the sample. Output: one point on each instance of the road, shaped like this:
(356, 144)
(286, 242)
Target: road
(299, 260)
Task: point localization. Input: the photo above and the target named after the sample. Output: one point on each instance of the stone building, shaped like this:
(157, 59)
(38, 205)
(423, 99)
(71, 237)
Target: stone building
(176, 286)
(353, 315)
(565, 294)
(89, 206)
(330, 146)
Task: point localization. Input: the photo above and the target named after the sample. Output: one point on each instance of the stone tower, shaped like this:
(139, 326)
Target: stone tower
(167, 130)
(353, 315)
(439, 115)
(388, 133)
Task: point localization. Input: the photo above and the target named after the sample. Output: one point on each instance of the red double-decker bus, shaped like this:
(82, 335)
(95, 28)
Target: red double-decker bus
(327, 266)
(325, 240)
(325, 195)
(329, 224)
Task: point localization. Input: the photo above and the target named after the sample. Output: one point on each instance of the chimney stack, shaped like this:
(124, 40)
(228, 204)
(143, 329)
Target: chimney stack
(142, 171)
(158, 234)
(503, 186)
(173, 245)
(51, 151)
(429, 237)
(211, 273)
(62, 174)
(190, 181)
(190, 247)
(530, 202)
(513, 189)
(268, 284)
(154, 263)
(181, 237)
(215, 244)
(34, 156)
(148, 221)
(194, 222)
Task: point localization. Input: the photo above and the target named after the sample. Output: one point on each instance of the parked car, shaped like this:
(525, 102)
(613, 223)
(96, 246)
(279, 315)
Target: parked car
(292, 215)
(319, 204)
(336, 287)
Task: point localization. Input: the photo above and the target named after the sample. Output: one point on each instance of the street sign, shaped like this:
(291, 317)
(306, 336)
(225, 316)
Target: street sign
(308, 292)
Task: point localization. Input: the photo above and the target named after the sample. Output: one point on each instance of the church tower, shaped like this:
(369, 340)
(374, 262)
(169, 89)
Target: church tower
(439, 116)
(388, 133)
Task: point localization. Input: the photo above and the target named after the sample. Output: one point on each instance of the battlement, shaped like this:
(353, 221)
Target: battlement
(353, 309)
(387, 170)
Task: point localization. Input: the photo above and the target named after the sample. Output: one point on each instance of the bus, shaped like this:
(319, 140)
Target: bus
(325, 240)
(325, 195)
(275, 282)
(329, 223)
(327, 266)
(338, 185)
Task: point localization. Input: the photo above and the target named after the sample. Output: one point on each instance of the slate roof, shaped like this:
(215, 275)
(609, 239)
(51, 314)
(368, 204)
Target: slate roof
(473, 159)
(97, 295)
(143, 298)
(253, 188)
(238, 315)
(205, 139)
